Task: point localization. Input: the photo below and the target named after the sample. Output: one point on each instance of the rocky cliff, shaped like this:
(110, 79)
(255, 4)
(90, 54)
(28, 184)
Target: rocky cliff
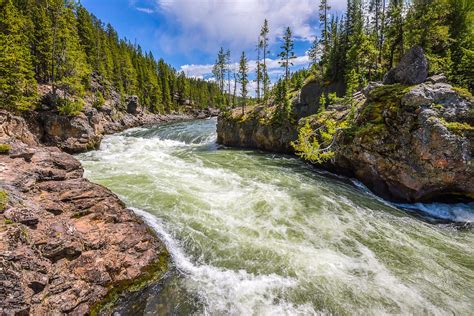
(406, 143)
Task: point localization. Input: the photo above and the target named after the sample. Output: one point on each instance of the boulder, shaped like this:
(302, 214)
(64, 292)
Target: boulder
(412, 68)
(133, 104)
(411, 144)
(437, 79)
(70, 134)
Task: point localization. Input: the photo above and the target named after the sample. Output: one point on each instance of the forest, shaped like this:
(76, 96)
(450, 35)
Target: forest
(61, 44)
(362, 44)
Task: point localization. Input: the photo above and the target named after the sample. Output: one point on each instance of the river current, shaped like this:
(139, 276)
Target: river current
(253, 233)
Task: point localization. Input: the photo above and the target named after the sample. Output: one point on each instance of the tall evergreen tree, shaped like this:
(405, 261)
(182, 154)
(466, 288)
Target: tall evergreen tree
(264, 42)
(259, 69)
(243, 79)
(287, 54)
(324, 23)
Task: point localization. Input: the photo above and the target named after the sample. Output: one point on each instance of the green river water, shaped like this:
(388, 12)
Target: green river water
(253, 233)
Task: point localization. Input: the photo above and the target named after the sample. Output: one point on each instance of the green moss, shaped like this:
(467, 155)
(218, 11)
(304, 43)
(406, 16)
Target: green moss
(150, 274)
(464, 93)
(388, 92)
(3, 200)
(5, 148)
(457, 127)
(8, 221)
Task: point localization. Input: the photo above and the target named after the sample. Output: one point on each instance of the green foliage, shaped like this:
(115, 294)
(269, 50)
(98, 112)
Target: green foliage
(3, 200)
(99, 100)
(5, 148)
(60, 43)
(283, 110)
(309, 147)
(287, 54)
(69, 108)
(333, 99)
(464, 93)
(322, 103)
(243, 79)
(17, 85)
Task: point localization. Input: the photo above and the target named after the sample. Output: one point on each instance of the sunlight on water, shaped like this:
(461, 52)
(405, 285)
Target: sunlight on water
(261, 234)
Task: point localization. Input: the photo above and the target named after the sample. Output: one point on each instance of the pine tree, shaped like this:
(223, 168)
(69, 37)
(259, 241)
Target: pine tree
(243, 79)
(265, 30)
(17, 84)
(219, 68)
(324, 23)
(287, 54)
(259, 69)
(165, 85)
(394, 32)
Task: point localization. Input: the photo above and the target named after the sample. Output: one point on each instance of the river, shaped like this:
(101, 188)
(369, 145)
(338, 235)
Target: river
(253, 233)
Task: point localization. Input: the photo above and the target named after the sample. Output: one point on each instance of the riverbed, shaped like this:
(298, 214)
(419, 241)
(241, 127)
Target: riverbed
(253, 233)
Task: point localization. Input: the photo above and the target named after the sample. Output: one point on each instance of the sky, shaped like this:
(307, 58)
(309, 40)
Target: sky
(188, 33)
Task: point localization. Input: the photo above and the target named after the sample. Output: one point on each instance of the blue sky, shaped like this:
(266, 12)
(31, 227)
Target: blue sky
(188, 33)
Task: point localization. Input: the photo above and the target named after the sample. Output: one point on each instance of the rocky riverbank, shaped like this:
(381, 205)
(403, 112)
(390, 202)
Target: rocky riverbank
(65, 242)
(68, 245)
(405, 142)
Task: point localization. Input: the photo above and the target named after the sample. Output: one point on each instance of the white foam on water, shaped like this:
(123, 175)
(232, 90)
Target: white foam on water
(226, 291)
(456, 212)
(253, 238)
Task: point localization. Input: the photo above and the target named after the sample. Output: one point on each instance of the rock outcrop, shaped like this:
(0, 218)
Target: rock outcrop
(255, 131)
(411, 144)
(405, 143)
(65, 242)
(412, 68)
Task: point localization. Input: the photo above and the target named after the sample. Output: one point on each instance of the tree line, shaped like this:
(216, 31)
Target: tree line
(361, 45)
(372, 36)
(58, 42)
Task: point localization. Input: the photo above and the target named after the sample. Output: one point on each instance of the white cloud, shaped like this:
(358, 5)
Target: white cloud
(273, 66)
(209, 24)
(145, 10)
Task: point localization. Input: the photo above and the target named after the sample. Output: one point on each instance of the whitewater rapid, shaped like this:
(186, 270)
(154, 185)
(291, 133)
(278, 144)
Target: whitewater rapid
(252, 233)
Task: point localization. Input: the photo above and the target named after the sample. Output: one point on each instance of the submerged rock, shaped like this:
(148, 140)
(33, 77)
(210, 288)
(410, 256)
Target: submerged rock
(412, 68)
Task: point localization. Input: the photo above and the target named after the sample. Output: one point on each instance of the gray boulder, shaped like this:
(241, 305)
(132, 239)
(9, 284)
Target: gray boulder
(411, 70)
(133, 104)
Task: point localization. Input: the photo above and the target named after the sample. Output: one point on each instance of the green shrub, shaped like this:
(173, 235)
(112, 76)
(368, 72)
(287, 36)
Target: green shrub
(3, 200)
(69, 108)
(99, 100)
(5, 148)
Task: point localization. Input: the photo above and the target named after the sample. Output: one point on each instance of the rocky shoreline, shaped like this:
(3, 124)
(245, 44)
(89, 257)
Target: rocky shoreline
(68, 246)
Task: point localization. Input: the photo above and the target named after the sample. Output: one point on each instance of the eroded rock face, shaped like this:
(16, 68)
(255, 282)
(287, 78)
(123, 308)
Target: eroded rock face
(64, 241)
(409, 146)
(251, 133)
(412, 68)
